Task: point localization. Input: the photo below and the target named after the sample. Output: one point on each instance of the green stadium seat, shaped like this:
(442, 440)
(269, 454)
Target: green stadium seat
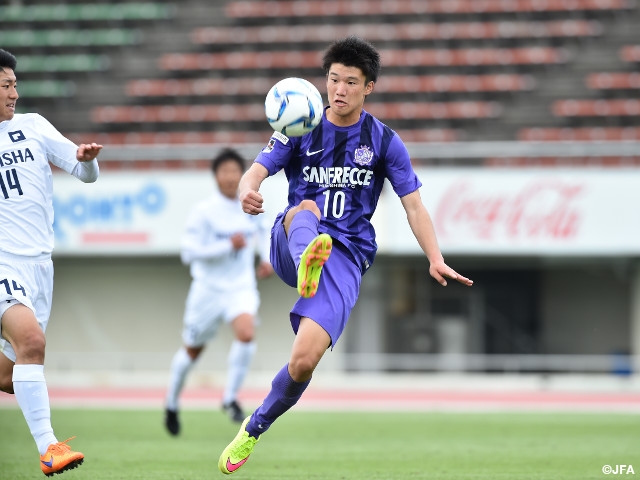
(87, 12)
(65, 38)
(63, 63)
(46, 88)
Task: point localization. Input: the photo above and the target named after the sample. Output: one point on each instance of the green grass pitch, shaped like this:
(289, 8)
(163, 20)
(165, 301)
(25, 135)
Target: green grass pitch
(132, 444)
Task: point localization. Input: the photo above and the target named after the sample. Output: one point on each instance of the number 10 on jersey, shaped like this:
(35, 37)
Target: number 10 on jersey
(333, 201)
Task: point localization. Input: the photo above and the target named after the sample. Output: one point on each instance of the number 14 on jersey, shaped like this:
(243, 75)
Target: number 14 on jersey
(9, 181)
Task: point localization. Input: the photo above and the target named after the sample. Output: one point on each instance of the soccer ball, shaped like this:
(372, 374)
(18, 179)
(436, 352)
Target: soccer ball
(293, 107)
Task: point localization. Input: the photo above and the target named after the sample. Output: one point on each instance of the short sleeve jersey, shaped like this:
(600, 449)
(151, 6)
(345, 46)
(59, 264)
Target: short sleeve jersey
(28, 142)
(343, 170)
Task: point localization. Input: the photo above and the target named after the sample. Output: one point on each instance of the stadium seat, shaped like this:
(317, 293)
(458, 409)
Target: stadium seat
(434, 111)
(46, 88)
(318, 8)
(204, 87)
(596, 134)
(596, 108)
(160, 138)
(63, 63)
(455, 83)
(630, 53)
(18, 12)
(390, 83)
(390, 58)
(255, 112)
(233, 137)
(613, 81)
(397, 31)
(66, 38)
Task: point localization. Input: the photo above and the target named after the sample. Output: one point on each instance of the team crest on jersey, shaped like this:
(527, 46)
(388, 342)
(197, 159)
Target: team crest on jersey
(17, 136)
(363, 155)
(270, 145)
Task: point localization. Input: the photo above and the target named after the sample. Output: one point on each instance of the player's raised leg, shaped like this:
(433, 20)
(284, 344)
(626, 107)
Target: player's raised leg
(311, 262)
(309, 248)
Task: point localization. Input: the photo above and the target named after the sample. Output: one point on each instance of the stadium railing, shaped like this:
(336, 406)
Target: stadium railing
(448, 152)
(565, 134)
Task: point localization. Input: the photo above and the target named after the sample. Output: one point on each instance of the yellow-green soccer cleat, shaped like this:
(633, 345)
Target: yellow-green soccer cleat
(237, 452)
(311, 262)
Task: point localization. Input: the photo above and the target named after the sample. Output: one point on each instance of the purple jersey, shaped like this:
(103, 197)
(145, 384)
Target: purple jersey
(343, 170)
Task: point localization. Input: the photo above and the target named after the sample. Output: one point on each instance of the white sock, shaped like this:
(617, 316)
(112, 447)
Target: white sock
(180, 367)
(240, 356)
(31, 393)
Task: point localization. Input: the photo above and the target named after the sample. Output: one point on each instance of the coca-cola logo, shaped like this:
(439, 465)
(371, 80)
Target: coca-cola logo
(542, 209)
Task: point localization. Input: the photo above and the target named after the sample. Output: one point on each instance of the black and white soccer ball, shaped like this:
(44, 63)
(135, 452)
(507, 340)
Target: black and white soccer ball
(293, 107)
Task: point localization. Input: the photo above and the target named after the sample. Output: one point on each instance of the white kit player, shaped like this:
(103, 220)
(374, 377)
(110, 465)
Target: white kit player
(28, 142)
(220, 244)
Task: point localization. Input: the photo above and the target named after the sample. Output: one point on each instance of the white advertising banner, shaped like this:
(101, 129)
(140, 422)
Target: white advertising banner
(475, 211)
(137, 212)
(130, 213)
(525, 212)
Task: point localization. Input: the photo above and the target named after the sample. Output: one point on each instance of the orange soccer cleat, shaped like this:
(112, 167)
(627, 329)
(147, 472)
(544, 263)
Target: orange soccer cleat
(59, 457)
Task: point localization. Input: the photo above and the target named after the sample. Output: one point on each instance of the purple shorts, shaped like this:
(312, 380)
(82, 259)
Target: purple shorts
(338, 290)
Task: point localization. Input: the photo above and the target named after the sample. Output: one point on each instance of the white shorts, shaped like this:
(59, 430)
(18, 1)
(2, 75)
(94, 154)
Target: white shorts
(207, 308)
(29, 282)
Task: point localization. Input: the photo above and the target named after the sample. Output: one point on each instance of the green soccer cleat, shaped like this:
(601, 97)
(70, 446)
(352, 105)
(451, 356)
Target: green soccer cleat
(311, 262)
(237, 452)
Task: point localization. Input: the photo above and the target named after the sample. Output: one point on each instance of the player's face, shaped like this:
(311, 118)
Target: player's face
(228, 177)
(8, 94)
(346, 91)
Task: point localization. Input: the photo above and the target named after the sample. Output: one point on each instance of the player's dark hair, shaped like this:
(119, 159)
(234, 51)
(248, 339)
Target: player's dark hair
(7, 60)
(354, 52)
(227, 155)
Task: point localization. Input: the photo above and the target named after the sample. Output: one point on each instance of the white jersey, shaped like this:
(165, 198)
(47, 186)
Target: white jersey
(207, 247)
(28, 142)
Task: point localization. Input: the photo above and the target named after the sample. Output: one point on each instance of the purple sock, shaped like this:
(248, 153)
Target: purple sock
(303, 229)
(285, 393)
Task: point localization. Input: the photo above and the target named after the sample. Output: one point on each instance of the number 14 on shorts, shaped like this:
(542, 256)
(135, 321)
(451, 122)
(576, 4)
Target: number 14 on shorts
(16, 287)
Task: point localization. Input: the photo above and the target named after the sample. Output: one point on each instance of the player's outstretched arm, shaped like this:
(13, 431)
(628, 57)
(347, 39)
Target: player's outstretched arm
(88, 152)
(422, 227)
(248, 193)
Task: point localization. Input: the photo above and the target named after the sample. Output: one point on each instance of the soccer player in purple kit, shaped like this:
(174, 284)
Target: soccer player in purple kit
(324, 241)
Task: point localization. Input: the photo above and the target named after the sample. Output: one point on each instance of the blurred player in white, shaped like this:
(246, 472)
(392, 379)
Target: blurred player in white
(220, 245)
(28, 142)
